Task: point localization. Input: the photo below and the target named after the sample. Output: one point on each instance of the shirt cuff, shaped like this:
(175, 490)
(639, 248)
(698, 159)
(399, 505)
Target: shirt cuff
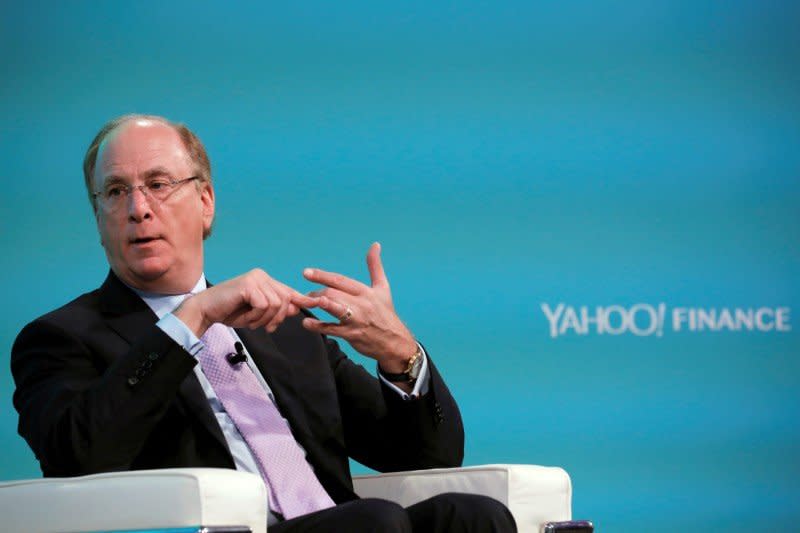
(180, 333)
(420, 386)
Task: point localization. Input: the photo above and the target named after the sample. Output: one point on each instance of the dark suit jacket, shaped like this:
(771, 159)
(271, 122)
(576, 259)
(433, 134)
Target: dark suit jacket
(101, 388)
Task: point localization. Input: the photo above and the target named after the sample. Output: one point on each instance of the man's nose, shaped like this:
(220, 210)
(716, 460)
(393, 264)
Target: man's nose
(138, 205)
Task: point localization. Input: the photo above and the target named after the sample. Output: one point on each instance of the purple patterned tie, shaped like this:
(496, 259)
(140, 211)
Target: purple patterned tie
(293, 487)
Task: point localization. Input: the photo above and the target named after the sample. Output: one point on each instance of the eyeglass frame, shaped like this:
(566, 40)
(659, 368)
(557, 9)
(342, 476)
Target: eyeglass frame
(143, 188)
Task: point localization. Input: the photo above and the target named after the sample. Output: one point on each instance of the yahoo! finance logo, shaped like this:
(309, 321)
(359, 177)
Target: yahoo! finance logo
(644, 319)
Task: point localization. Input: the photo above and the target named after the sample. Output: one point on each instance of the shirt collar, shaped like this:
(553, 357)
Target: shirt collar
(161, 304)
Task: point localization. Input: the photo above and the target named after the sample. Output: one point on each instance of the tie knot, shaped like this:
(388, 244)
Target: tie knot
(218, 338)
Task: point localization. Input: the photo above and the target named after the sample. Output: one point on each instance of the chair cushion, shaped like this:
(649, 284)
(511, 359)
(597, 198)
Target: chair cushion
(141, 499)
(533, 494)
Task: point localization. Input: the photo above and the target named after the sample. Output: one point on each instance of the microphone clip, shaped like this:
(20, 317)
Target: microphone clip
(238, 357)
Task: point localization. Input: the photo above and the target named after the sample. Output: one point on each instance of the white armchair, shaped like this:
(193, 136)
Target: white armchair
(534, 494)
(235, 501)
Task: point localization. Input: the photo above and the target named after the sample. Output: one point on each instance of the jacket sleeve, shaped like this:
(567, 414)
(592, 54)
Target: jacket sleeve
(387, 433)
(82, 410)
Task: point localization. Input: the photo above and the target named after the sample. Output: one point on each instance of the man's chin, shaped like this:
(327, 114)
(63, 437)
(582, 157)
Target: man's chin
(149, 276)
(144, 277)
(159, 278)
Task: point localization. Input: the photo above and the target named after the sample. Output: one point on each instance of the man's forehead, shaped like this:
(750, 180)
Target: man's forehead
(141, 134)
(140, 145)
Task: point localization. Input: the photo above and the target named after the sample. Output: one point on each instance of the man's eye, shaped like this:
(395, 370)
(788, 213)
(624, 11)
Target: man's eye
(115, 191)
(158, 185)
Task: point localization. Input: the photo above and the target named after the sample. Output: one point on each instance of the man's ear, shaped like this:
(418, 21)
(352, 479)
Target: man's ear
(207, 198)
(97, 223)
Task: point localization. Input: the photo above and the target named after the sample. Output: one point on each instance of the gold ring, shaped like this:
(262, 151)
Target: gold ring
(346, 316)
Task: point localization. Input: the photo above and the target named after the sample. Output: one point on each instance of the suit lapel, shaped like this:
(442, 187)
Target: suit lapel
(127, 314)
(124, 311)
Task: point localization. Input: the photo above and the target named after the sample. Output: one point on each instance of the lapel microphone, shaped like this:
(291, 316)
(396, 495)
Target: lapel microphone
(239, 356)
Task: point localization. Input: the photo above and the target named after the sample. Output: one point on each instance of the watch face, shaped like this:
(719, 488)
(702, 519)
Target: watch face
(414, 372)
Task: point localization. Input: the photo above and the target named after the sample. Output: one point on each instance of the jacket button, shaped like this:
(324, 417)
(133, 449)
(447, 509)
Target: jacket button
(153, 356)
(133, 381)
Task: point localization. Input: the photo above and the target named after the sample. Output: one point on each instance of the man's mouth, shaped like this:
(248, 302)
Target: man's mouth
(143, 240)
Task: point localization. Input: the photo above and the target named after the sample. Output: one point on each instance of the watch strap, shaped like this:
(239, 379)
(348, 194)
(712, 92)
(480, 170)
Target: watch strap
(408, 375)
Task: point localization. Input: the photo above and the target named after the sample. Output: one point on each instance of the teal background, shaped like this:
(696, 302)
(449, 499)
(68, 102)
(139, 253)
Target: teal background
(505, 154)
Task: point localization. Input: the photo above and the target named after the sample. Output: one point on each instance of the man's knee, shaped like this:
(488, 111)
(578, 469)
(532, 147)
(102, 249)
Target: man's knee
(373, 514)
(469, 513)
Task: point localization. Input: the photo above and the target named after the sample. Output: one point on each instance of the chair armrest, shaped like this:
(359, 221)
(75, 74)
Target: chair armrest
(533, 494)
(139, 499)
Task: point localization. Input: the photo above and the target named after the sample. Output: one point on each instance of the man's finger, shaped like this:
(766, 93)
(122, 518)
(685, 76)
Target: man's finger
(237, 319)
(334, 308)
(301, 300)
(325, 328)
(333, 294)
(375, 266)
(278, 317)
(254, 309)
(253, 317)
(296, 297)
(337, 281)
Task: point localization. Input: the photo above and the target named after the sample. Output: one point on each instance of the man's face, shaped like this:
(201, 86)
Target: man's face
(155, 247)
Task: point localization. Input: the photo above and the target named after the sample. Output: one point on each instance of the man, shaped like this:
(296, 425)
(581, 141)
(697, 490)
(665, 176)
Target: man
(158, 369)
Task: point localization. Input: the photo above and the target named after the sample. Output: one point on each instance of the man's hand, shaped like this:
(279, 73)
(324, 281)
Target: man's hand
(368, 320)
(251, 300)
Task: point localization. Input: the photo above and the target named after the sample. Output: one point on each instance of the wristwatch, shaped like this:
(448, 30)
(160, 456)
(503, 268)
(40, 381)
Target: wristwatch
(410, 374)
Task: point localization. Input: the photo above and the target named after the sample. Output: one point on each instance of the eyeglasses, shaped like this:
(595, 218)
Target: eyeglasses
(156, 190)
